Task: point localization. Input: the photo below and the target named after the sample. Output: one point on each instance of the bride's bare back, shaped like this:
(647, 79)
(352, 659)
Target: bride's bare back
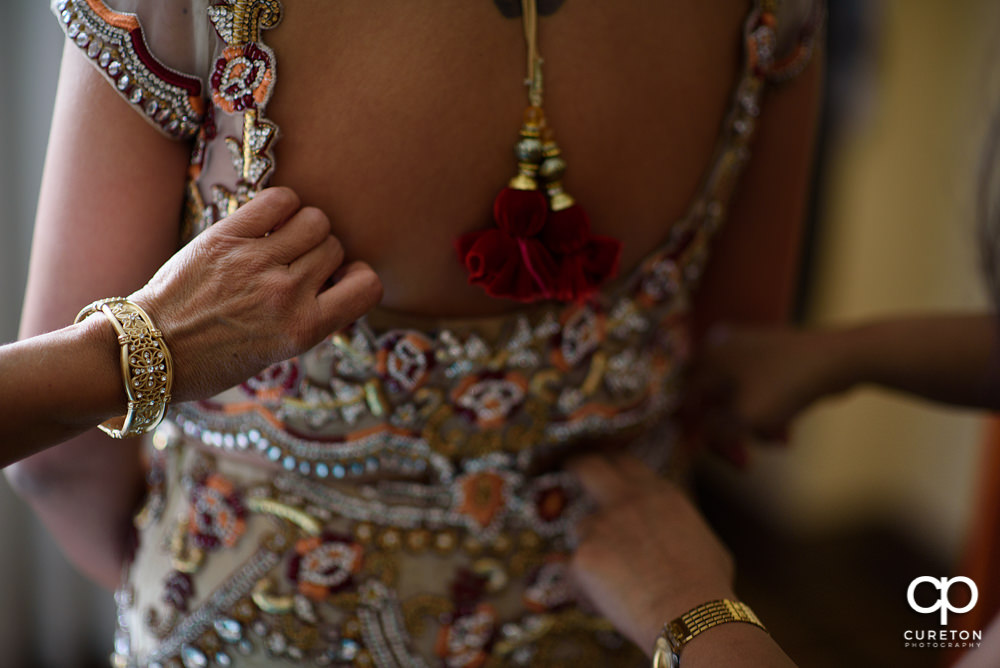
(399, 118)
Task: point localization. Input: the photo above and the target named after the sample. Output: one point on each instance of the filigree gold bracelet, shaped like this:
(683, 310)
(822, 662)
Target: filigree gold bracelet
(147, 369)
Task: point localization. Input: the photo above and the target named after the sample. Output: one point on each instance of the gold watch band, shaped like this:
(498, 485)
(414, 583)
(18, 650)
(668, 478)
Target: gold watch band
(681, 631)
(147, 369)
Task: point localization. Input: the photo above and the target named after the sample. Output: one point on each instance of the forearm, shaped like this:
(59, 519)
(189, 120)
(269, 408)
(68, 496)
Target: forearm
(85, 492)
(56, 386)
(99, 232)
(53, 387)
(952, 359)
(734, 644)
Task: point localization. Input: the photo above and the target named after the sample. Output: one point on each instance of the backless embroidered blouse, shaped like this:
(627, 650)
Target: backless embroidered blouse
(394, 502)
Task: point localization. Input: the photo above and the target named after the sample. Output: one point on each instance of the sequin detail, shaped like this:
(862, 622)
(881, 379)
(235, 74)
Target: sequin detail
(387, 502)
(114, 41)
(322, 584)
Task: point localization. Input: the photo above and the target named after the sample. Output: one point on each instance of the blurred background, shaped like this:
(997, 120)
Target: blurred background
(50, 617)
(874, 490)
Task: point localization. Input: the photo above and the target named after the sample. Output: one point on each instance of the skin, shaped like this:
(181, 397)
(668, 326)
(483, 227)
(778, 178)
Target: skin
(426, 168)
(669, 566)
(228, 304)
(672, 565)
(753, 382)
(405, 147)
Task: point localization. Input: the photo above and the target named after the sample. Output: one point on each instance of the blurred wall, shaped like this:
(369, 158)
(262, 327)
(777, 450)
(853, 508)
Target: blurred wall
(897, 237)
(50, 617)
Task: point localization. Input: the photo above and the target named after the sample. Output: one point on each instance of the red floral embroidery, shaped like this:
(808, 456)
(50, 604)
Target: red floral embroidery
(549, 586)
(274, 381)
(217, 515)
(324, 564)
(489, 398)
(404, 360)
(178, 590)
(242, 78)
(463, 643)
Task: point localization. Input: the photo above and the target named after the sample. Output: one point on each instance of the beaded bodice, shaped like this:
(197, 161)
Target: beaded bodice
(404, 395)
(395, 492)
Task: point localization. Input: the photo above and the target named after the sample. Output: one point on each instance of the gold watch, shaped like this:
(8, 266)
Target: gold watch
(681, 631)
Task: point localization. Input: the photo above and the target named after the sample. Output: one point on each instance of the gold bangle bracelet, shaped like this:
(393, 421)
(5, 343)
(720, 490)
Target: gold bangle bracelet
(147, 369)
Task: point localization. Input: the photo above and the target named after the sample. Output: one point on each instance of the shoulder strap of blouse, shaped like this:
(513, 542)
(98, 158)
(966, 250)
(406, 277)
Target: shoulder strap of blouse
(116, 44)
(797, 25)
(690, 238)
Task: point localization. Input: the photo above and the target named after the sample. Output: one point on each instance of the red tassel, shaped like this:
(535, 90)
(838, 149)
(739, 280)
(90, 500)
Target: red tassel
(507, 267)
(582, 273)
(520, 213)
(586, 260)
(484, 252)
(566, 231)
(571, 282)
(535, 253)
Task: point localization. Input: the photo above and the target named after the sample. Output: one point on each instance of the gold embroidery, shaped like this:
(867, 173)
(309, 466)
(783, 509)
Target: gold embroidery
(241, 22)
(267, 602)
(595, 374)
(271, 507)
(186, 558)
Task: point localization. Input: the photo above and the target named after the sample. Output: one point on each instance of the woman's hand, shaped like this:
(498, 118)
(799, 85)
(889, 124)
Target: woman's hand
(750, 384)
(254, 289)
(645, 556)
(229, 303)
